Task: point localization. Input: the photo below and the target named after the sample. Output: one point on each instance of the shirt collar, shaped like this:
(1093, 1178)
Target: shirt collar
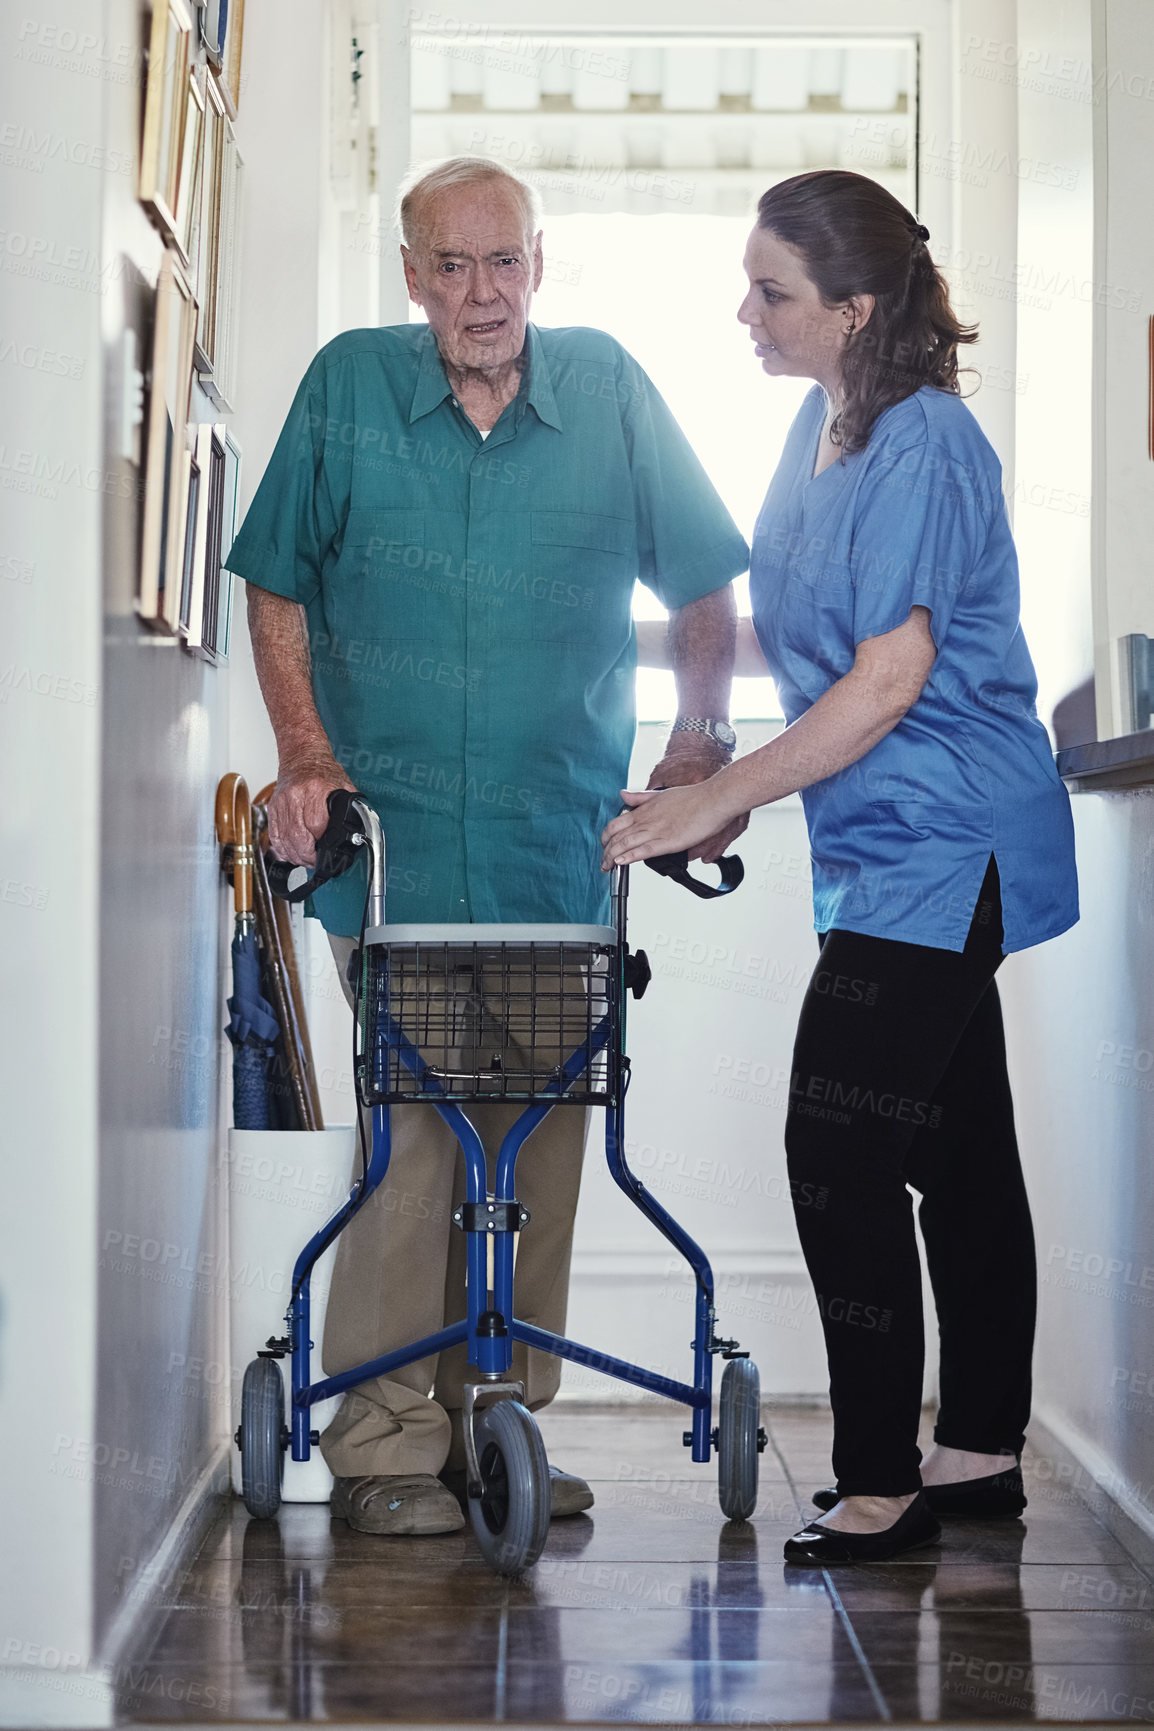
(433, 387)
(540, 394)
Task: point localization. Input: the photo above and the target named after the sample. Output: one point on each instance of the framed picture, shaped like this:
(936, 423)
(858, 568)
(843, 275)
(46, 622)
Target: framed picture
(166, 467)
(187, 213)
(214, 27)
(200, 605)
(208, 250)
(214, 533)
(228, 528)
(220, 382)
(191, 580)
(162, 151)
(224, 383)
(230, 65)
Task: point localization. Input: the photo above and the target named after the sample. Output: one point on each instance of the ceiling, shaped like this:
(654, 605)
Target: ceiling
(605, 123)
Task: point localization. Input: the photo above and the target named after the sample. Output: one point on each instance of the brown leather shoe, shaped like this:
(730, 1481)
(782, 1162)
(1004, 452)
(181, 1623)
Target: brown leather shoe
(568, 1495)
(403, 1505)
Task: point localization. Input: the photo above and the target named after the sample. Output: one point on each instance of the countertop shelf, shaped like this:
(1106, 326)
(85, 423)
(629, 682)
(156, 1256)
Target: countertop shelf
(1124, 762)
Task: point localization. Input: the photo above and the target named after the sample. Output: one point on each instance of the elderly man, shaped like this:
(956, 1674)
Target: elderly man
(440, 558)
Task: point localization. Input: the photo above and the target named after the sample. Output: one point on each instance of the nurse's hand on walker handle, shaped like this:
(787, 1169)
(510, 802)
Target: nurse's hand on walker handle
(689, 761)
(846, 722)
(669, 820)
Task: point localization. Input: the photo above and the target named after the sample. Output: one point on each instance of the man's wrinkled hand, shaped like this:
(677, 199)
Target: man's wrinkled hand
(298, 812)
(691, 758)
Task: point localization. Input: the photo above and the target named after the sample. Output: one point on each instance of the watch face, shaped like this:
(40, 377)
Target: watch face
(723, 733)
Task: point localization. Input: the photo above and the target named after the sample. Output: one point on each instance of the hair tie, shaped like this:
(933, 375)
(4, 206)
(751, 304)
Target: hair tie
(921, 233)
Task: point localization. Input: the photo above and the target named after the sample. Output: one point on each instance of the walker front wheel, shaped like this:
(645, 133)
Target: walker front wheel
(739, 1439)
(511, 1516)
(261, 1437)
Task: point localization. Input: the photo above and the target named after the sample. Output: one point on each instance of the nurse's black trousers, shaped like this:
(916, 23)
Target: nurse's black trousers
(899, 1079)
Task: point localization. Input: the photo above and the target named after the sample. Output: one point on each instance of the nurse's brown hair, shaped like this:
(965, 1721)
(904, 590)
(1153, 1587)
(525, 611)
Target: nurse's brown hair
(856, 238)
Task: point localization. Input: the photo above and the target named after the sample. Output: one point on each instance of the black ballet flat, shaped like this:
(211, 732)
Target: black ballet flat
(1001, 1497)
(918, 1525)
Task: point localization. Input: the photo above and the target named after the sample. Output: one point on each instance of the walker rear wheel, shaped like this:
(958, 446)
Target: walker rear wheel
(261, 1437)
(511, 1516)
(739, 1439)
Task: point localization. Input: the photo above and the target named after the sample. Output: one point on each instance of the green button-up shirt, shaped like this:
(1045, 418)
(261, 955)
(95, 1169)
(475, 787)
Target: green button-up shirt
(469, 606)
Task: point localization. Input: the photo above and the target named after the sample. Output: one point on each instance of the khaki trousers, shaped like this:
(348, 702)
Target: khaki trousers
(400, 1275)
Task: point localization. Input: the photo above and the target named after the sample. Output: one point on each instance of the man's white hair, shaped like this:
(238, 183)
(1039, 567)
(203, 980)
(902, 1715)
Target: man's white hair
(428, 179)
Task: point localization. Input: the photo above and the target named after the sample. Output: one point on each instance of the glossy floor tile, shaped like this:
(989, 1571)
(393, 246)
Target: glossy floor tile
(651, 1609)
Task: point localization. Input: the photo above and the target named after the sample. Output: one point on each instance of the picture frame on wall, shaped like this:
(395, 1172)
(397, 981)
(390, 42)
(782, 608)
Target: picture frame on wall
(230, 63)
(214, 535)
(219, 379)
(166, 467)
(191, 582)
(215, 21)
(187, 212)
(208, 252)
(164, 138)
(200, 604)
(228, 526)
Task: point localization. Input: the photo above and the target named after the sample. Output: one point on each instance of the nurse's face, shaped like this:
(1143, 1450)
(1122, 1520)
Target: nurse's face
(796, 334)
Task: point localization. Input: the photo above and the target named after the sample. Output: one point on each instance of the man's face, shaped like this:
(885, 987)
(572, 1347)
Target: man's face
(474, 270)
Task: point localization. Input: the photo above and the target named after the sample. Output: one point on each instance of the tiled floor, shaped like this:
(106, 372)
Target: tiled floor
(652, 1610)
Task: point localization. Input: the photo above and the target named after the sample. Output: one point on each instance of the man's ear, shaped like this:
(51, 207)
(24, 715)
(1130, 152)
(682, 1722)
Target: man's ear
(538, 262)
(411, 277)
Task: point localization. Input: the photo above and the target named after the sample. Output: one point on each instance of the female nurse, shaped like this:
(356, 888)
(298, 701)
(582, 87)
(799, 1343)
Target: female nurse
(884, 586)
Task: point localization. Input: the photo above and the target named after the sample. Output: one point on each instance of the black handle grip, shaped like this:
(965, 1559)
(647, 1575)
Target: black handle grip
(676, 867)
(335, 851)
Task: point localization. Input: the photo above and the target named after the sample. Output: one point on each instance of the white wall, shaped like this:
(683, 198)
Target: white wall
(1124, 476)
(114, 1283)
(972, 153)
(50, 685)
(1079, 1011)
(1081, 1037)
(283, 267)
(1055, 360)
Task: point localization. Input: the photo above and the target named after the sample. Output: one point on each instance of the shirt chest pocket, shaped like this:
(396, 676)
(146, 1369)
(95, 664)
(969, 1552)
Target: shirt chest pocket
(580, 582)
(815, 624)
(819, 588)
(388, 582)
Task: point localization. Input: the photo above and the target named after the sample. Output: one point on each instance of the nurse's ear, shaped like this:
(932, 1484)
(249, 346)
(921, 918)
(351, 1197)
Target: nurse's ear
(857, 312)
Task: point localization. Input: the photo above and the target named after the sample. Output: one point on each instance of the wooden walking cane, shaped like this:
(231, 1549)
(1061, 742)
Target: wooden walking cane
(234, 832)
(274, 922)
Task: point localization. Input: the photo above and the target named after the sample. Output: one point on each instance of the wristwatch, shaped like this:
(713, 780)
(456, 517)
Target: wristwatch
(719, 732)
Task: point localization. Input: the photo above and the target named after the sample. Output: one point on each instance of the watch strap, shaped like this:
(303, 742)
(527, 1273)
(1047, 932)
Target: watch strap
(706, 726)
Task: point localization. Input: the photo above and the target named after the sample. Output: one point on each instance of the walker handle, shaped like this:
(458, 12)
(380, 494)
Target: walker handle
(336, 851)
(676, 867)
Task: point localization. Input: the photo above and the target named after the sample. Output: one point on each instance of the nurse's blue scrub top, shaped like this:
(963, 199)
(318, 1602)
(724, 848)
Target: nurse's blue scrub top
(901, 839)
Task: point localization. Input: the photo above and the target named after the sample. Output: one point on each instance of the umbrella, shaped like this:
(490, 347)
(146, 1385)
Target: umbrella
(293, 1066)
(252, 1026)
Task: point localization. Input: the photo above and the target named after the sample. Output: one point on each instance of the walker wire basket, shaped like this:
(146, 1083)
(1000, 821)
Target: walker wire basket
(501, 1017)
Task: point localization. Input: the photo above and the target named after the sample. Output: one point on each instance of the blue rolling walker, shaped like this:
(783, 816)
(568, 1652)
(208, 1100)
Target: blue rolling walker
(449, 1015)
